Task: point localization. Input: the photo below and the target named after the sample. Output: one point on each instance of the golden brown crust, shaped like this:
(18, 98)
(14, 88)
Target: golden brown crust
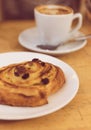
(29, 83)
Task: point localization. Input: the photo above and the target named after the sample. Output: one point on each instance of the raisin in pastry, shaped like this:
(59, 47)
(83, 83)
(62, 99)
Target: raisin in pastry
(29, 83)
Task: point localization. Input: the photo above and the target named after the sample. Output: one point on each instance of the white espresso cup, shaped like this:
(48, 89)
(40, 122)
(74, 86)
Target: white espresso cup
(54, 23)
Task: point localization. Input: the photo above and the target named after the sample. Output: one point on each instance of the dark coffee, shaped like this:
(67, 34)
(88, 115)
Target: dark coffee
(54, 9)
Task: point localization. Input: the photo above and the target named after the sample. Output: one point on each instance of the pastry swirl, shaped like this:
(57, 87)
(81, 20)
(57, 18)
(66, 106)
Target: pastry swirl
(29, 83)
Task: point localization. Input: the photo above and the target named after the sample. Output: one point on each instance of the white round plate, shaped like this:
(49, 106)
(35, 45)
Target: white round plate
(29, 39)
(55, 101)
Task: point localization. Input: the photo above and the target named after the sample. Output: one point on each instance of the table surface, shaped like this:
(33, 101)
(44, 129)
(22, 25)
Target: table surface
(74, 116)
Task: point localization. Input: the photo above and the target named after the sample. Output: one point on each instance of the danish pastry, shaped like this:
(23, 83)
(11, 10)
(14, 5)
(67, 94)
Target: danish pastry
(29, 83)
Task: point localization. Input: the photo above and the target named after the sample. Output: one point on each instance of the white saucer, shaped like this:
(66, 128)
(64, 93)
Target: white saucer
(29, 39)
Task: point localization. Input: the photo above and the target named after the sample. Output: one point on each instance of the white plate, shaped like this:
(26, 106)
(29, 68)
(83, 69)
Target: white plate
(29, 39)
(56, 101)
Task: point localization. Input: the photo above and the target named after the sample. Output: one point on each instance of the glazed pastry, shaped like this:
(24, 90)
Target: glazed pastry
(29, 83)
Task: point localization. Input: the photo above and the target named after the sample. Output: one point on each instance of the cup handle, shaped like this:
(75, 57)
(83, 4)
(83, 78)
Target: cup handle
(79, 24)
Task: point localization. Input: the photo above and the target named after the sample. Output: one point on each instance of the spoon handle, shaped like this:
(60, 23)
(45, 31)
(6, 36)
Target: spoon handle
(84, 37)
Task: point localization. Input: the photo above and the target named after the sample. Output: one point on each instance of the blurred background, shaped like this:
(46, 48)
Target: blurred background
(23, 9)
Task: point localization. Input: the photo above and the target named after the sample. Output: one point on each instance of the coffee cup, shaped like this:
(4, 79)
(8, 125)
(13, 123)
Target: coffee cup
(54, 23)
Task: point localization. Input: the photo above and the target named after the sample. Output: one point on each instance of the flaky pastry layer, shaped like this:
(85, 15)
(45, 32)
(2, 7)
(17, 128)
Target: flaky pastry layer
(29, 83)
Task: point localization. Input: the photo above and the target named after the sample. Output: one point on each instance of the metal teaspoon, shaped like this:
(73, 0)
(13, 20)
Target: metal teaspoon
(50, 47)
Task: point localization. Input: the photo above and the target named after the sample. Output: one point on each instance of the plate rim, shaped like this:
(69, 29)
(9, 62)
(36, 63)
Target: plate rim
(22, 43)
(53, 109)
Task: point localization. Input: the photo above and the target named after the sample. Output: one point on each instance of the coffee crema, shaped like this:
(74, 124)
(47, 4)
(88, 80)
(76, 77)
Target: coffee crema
(54, 10)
